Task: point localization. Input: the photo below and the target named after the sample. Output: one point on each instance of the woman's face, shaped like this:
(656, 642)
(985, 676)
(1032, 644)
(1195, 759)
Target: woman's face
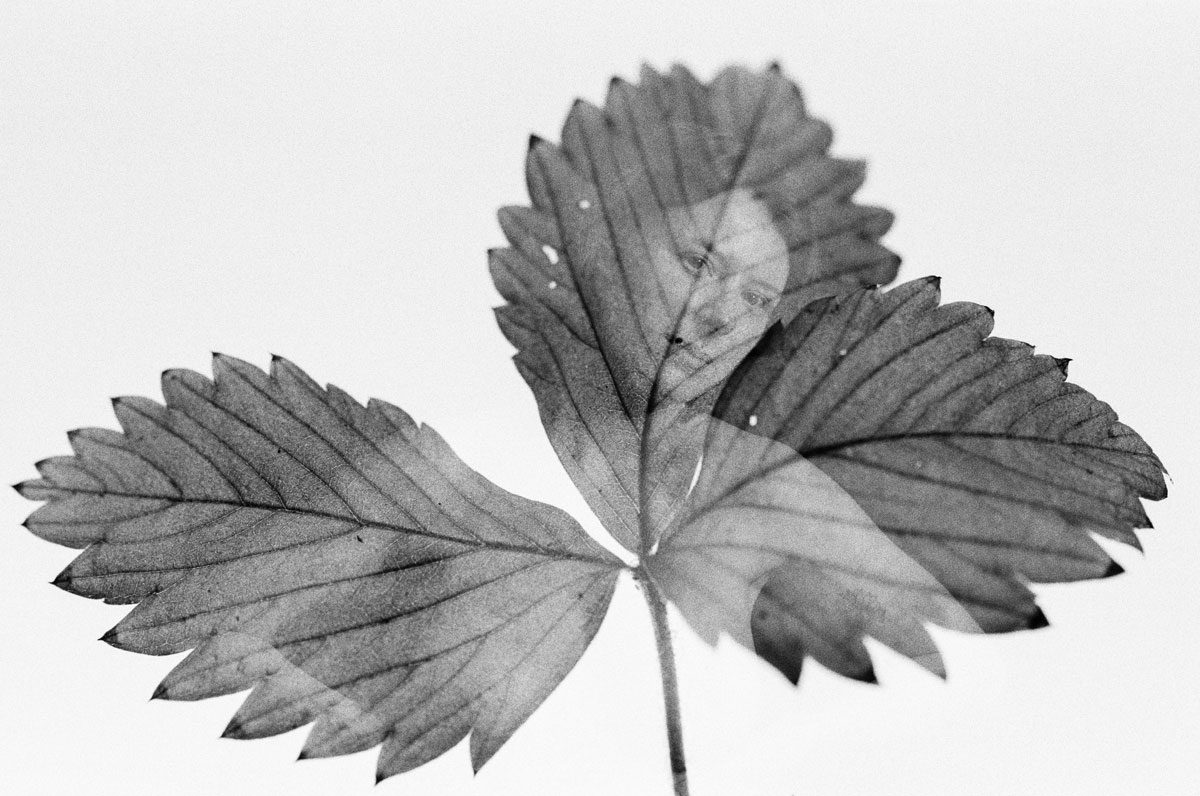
(721, 266)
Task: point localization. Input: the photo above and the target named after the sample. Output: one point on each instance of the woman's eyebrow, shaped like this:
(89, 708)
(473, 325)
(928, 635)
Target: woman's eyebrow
(724, 265)
(765, 287)
(709, 246)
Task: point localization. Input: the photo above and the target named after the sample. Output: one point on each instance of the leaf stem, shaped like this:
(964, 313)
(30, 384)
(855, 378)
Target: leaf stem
(670, 682)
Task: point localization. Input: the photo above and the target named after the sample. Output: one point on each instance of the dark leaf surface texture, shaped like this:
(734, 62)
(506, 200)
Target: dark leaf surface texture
(901, 466)
(799, 459)
(338, 559)
(594, 271)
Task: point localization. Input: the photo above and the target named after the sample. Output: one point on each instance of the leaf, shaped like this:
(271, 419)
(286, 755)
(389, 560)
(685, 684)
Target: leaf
(873, 464)
(879, 462)
(339, 559)
(609, 329)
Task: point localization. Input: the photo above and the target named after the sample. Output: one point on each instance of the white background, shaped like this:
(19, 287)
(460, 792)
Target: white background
(177, 178)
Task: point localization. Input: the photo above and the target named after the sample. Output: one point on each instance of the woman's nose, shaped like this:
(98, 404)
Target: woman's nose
(714, 307)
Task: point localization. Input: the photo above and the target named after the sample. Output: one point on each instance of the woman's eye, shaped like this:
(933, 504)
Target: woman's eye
(695, 262)
(757, 300)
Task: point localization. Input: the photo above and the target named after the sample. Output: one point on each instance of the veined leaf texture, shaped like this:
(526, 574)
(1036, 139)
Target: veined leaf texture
(797, 459)
(337, 558)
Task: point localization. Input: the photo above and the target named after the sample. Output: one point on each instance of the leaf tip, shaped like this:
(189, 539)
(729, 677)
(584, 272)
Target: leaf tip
(867, 676)
(63, 581)
(111, 637)
(1062, 363)
(535, 140)
(160, 692)
(934, 281)
(303, 755)
(1113, 570)
(989, 310)
(788, 661)
(1038, 620)
(234, 730)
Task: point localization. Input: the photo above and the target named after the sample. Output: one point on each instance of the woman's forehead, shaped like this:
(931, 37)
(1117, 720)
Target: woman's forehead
(731, 214)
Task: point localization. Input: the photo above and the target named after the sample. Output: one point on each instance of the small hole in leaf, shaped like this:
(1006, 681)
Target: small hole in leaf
(551, 284)
(551, 253)
(753, 421)
(584, 204)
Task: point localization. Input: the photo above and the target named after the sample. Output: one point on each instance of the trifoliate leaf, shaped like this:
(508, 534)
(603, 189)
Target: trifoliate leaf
(874, 464)
(338, 559)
